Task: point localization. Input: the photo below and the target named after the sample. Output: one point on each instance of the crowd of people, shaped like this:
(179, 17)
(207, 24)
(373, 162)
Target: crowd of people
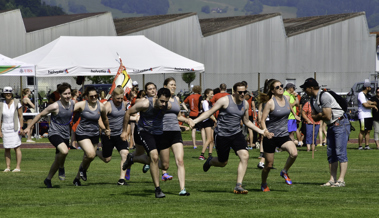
(150, 121)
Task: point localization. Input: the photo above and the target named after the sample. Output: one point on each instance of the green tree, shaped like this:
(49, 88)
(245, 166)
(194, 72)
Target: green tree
(188, 78)
(101, 79)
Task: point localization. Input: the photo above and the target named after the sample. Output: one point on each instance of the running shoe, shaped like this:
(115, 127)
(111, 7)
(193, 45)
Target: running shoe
(261, 165)
(201, 157)
(257, 145)
(360, 148)
(367, 147)
(145, 168)
(159, 193)
(239, 190)
(48, 183)
(265, 188)
(286, 177)
(183, 192)
(261, 155)
(76, 182)
(207, 164)
(166, 177)
(128, 162)
(194, 147)
(62, 175)
(121, 182)
(83, 174)
(127, 174)
(323, 144)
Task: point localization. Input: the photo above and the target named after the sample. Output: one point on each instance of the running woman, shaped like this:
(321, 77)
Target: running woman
(59, 129)
(149, 132)
(115, 110)
(233, 109)
(208, 124)
(278, 108)
(87, 133)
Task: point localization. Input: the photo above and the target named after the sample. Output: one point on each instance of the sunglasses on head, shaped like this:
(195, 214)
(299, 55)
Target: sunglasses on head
(92, 96)
(242, 92)
(7, 90)
(277, 87)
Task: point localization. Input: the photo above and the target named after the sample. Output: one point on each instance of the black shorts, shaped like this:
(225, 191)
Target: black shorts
(94, 139)
(208, 123)
(269, 145)
(109, 144)
(251, 118)
(57, 140)
(224, 143)
(169, 138)
(366, 124)
(148, 141)
(199, 125)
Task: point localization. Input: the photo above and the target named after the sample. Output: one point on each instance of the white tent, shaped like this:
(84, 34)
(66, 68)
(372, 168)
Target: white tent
(88, 56)
(11, 67)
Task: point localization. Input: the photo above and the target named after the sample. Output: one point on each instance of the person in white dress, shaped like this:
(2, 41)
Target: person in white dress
(11, 130)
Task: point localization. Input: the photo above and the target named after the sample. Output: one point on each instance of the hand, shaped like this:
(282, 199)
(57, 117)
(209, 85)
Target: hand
(26, 131)
(297, 118)
(124, 136)
(309, 122)
(191, 123)
(376, 108)
(108, 133)
(21, 132)
(268, 134)
(1, 134)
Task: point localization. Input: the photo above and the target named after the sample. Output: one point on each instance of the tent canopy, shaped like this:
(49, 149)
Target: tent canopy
(11, 67)
(89, 56)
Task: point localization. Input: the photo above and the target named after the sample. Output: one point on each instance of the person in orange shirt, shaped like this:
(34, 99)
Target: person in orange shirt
(219, 95)
(194, 101)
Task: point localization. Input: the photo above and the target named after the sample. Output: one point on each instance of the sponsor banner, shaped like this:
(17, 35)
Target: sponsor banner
(100, 71)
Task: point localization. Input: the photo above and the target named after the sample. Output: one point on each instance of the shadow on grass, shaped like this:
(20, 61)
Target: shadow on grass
(271, 190)
(142, 193)
(307, 183)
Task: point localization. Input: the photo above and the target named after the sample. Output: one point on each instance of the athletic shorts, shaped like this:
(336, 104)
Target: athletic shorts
(57, 140)
(251, 118)
(292, 126)
(224, 143)
(366, 123)
(94, 139)
(169, 138)
(199, 125)
(269, 145)
(109, 144)
(208, 123)
(148, 141)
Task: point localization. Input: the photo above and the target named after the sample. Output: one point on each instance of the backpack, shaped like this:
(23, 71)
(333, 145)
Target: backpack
(341, 101)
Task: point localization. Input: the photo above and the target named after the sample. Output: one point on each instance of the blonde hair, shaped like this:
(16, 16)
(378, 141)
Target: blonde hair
(25, 91)
(118, 91)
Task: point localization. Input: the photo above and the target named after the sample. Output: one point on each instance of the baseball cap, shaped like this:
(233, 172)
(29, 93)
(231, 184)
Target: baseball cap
(7, 89)
(290, 85)
(310, 82)
(367, 83)
(135, 83)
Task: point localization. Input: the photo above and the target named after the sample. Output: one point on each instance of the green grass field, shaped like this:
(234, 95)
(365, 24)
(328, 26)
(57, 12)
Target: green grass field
(24, 194)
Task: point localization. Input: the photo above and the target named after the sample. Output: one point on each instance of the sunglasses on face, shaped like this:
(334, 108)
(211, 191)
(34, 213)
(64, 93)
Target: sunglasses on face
(242, 92)
(277, 87)
(92, 96)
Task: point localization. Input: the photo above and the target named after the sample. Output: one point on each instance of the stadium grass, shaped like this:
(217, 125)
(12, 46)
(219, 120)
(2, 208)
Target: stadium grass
(24, 194)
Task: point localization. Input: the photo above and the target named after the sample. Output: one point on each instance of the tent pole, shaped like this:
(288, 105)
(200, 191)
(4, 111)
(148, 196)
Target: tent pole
(259, 82)
(200, 80)
(143, 80)
(36, 103)
(21, 87)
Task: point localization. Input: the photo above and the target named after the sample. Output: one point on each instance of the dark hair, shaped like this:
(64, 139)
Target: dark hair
(73, 92)
(266, 95)
(149, 83)
(165, 92)
(236, 85)
(206, 92)
(244, 82)
(166, 81)
(141, 94)
(216, 90)
(63, 87)
(222, 86)
(89, 89)
(196, 89)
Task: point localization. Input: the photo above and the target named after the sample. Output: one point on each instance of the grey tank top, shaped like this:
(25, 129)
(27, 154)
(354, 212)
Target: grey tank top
(60, 123)
(170, 118)
(229, 119)
(278, 123)
(116, 119)
(89, 121)
(151, 121)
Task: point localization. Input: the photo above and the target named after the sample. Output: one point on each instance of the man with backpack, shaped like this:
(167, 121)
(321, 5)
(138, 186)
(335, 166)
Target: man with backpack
(329, 107)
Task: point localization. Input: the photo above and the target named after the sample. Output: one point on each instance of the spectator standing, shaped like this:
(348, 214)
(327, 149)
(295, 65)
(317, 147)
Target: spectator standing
(292, 125)
(310, 124)
(375, 116)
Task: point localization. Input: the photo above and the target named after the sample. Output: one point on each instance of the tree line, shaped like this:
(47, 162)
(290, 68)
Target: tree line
(31, 8)
(146, 7)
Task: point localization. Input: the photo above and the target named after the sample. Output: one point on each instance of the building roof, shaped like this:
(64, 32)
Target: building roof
(294, 26)
(38, 23)
(129, 25)
(216, 25)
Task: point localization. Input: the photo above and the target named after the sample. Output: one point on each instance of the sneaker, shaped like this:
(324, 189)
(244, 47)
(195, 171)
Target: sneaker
(166, 177)
(261, 165)
(257, 145)
(30, 141)
(360, 148)
(194, 147)
(48, 183)
(239, 190)
(76, 182)
(127, 174)
(121, 182)
(207, 164)
(265, 188)
(83, 174)
(159, 193)
(145, 168)
(261, 155)
(128, 162)
(319, 145)
(286, 177)
(183, 192)
(62, 175)
(323, 144)
(367, 148)
(277, 150)
(338, 184)
(201, 157)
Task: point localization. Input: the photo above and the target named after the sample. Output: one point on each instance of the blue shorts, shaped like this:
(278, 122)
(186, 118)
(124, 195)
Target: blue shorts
(292, 126)
(309, 133)
(337, 137)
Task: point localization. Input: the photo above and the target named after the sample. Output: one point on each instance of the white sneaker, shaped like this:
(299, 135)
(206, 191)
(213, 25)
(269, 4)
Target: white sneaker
(31, 141)
(257, 145)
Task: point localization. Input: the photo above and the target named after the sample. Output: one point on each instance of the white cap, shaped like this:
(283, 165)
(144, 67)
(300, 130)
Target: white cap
(135, 83)
(7, 89)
